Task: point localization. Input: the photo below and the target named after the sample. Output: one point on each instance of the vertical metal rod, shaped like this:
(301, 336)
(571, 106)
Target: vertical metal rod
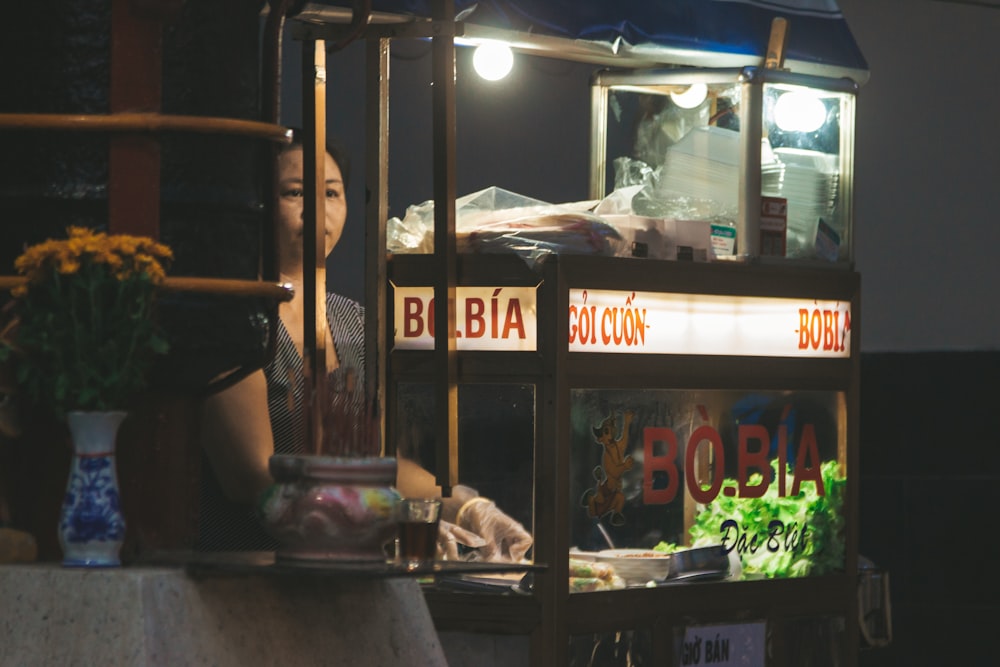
(270, 106)
(314, 240)
(598, 139)
(271, 45)
(775, 57)
(845, 184)
(751, 133)
(445, 350)
(552, 470)
(376, 216)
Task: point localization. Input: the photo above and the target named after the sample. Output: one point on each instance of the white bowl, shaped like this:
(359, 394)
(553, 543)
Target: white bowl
(637, 566)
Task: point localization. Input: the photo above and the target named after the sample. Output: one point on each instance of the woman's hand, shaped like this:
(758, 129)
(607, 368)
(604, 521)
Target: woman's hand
(505, 538)
(450, 536)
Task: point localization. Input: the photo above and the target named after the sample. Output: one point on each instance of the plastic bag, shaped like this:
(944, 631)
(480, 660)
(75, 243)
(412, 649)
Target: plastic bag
(655, 236)
(495, 220)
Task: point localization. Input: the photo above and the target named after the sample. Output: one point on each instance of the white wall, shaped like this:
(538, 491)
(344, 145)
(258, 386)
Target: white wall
(927, 208)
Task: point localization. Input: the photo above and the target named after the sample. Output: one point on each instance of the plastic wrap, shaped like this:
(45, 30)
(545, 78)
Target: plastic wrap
(495, 220)
(652, 236)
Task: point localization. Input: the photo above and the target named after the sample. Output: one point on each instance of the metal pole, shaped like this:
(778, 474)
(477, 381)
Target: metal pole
(445, 349)
(748, 219)
(314, 241)
(377, 178)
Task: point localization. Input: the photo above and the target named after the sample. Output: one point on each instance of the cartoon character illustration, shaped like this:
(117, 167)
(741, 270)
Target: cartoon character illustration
(607, 498)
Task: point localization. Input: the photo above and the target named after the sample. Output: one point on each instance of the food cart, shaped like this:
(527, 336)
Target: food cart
(662, 384)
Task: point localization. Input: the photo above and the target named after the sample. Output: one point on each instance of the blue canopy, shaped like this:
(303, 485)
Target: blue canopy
(712, 33)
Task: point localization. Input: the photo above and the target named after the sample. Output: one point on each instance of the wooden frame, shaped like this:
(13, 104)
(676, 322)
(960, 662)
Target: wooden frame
(553, 615)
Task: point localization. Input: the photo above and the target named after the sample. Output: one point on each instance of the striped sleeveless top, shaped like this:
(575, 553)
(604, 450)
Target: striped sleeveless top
(227, 526)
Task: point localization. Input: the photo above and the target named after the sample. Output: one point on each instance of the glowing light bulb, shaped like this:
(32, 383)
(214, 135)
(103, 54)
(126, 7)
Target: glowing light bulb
(692, 97)
(493, 60)
(799, 112)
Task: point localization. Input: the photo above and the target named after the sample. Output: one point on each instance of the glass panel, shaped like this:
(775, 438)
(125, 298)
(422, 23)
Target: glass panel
(496, 436)
(733, 484)
(804, 129)
(604, 649)
(814, 641)
(680, 143)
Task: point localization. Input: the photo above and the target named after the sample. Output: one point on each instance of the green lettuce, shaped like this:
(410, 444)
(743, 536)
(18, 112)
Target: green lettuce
(819, 551)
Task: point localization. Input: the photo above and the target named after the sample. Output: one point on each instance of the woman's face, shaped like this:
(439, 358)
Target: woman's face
(290, 205)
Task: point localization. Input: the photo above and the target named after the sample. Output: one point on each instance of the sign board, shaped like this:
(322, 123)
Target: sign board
(608, 321)
(675, 323)
(737, 644)
(486, 318)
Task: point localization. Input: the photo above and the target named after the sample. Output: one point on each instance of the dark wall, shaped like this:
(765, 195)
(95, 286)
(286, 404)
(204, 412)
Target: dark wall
(204, 63)
(930, 473)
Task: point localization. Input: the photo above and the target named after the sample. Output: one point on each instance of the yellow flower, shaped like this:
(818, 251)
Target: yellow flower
(123, 255)
(68, 265)
(72, 346)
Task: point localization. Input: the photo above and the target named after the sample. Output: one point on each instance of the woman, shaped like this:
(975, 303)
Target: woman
(239, 436)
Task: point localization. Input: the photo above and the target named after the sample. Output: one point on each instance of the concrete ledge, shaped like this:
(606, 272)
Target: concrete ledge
(50, 615)
(465, 649)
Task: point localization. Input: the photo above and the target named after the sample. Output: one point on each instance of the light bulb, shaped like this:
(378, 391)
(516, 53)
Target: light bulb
(493, 60)
(799, 112)
(692, 97)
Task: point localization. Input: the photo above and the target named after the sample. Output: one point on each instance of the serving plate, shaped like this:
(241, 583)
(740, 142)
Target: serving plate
(637, 566)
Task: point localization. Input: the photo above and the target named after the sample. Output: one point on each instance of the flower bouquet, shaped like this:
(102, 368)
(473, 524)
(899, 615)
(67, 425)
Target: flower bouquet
(81, 340)
(82, 336)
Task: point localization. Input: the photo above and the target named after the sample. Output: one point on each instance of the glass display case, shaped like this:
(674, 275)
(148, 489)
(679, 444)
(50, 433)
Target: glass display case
(680, 436)
(762, 158)
(699, 475)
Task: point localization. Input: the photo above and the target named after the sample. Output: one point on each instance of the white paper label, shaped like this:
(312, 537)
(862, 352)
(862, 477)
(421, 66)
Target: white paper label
(739, 644)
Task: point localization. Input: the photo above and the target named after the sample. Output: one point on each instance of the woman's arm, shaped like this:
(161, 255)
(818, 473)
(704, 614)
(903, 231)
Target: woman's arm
(236, 436)
(481, 524)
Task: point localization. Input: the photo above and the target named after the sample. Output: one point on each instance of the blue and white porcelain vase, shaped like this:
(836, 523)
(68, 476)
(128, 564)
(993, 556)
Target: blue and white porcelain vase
(91, 526)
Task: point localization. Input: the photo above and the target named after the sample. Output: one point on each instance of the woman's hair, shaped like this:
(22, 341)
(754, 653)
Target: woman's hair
(334, 147)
